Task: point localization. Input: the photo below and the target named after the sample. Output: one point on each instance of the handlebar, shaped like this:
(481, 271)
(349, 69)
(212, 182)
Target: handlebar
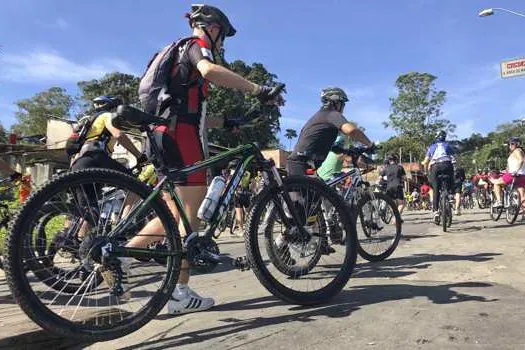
(251, 116)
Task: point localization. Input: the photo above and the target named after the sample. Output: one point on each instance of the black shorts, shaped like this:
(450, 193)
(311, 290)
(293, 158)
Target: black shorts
(297, 165)
(241, 199)
(395, 193)
(98, 159)
(458, 187)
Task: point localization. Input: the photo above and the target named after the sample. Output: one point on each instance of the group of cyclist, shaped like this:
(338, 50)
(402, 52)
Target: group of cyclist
(322, 141)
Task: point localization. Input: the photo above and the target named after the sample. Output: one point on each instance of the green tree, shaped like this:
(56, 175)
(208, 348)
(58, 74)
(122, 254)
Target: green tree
(33, 112)
(416, 110)
(124, 86)
(409, 148)
(3, 134)
(290, 135)
(229, 103)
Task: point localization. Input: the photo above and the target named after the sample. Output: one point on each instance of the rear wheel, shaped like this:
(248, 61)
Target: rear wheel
(94, 311)
(444, 210)
(513, 209)
(301, 283)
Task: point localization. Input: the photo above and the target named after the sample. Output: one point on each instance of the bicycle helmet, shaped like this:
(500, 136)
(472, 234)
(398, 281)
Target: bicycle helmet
(105, 103)
(333, 95)
(441, 136)
(204, 15)
(514, 141)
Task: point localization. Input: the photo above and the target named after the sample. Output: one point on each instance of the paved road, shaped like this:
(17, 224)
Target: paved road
(463, 289)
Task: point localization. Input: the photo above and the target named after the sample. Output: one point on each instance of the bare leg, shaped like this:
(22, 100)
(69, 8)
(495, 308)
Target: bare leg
(192, 197)
(239, 215)
(401, 206)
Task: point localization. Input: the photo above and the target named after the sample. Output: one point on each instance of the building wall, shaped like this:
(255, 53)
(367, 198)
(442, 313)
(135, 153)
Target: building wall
(57, 133)
(279, 156)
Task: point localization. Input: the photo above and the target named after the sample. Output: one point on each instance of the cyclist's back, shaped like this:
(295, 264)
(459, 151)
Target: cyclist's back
(101, 138)
(440, 159)
(320, 132)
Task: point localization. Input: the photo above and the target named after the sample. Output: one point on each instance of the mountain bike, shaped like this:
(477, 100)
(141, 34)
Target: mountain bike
(100, 311)
(467, 202)
(482, 197)
(445, 205)
(511, 204)
(378, 235)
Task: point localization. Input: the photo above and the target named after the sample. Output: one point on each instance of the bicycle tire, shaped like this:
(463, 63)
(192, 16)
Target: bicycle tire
(444, 202)
(395, 213)
(33, 306)
(259, 265)
(494, 212)
(514, 207)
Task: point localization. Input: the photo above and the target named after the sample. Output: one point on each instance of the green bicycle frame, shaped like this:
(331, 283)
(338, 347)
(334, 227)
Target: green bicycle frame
(248, 153)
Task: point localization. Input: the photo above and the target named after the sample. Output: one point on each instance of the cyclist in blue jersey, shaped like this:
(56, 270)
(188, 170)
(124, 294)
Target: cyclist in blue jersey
(440, 161)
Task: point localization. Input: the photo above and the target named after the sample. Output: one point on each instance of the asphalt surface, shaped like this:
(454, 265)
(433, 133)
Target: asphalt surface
(462, 289)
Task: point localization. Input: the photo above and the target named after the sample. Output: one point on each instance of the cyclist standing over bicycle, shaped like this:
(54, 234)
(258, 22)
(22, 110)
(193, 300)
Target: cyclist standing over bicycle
(184, 141)
(459, 178)
(395, 176)
(320, 132)
(515, 171)
(440, 161)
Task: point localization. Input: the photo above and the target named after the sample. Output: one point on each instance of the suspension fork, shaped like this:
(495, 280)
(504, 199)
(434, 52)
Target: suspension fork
(275, 177)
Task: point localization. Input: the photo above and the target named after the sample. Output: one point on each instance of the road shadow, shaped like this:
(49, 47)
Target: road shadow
(40, 340)
(409, 265)
(409, 237)
(341, 306)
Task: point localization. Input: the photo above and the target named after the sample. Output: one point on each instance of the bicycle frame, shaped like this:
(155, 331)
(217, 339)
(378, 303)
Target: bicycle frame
(248, 153)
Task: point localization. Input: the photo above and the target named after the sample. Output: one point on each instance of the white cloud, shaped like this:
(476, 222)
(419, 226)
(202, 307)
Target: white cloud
(52, 67)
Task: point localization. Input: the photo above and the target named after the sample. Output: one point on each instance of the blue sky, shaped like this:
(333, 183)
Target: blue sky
(361, 46)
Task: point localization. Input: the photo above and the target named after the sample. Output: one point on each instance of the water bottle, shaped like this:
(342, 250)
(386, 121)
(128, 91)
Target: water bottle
(212, 198)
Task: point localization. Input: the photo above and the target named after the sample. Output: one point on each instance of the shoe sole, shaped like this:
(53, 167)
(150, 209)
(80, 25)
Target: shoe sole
(189, 311)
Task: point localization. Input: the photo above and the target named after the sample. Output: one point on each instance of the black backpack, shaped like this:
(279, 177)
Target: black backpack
(76, 140)
(153, 91)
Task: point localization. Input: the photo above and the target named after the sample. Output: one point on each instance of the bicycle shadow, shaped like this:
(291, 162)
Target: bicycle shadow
(409, 265)
(341, 306)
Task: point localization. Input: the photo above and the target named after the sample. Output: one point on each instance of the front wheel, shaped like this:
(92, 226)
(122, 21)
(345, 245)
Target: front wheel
(377, 237)
(323, 226)
(495, 212)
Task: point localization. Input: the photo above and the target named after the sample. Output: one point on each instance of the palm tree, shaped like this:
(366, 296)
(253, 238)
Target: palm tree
(290, 135)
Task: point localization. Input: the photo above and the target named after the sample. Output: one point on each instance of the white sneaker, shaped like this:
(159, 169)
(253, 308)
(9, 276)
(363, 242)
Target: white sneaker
(183, 303)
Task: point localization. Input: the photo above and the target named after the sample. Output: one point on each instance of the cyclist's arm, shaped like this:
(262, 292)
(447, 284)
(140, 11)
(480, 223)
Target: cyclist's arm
(123, 139)
(225, 77)
(356, 134)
